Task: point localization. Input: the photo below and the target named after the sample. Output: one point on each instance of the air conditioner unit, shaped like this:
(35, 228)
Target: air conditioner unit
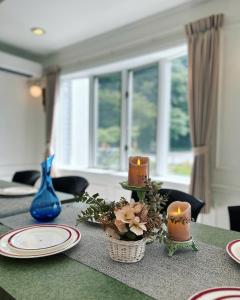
(20, 66)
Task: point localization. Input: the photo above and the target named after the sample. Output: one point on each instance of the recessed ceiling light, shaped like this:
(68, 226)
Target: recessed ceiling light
(38, 31)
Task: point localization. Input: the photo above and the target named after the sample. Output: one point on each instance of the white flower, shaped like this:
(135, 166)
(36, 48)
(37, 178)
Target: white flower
(137, 227)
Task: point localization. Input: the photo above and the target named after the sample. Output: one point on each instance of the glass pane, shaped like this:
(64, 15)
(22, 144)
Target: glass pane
(144, 113)
(72, 132)
(64, 125)
(80, 126)
(180, 154)
(108, 126)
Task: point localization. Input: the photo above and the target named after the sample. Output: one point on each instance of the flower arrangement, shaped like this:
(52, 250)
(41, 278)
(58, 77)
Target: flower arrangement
(128, 221)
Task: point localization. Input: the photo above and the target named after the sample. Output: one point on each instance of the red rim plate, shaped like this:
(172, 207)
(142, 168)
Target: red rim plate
(41, 225)
(213, 290)
(78, 238)
(230, 252)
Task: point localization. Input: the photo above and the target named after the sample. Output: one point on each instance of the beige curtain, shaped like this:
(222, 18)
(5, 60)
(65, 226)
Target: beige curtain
(203, 66)
(50, 95)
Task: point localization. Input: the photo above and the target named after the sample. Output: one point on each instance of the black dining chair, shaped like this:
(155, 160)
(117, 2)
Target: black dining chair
(234, 217)
(4, 295)
(74, 185)
(175, 195)
(26, 177)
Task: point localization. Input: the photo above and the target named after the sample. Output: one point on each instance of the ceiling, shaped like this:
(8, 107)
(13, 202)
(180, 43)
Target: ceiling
(69, 21)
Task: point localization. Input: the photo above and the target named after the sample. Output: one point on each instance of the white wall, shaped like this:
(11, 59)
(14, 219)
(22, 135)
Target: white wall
(226, 164)
(21, 126)
(166, 30)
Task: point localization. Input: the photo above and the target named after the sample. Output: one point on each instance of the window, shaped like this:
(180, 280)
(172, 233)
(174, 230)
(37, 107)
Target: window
(108, 98)
(72, 124)
(180, 156)
(144, 113)
(134, 111)
(64, 112)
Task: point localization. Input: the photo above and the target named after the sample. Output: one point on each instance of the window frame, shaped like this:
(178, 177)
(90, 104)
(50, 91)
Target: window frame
(130, 106)
(93, 118)
(163, 115)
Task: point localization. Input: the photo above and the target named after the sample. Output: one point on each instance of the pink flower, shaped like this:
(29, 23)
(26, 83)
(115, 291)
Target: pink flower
(125, 214)
(122, 228)
(136, 206)
(137, 227)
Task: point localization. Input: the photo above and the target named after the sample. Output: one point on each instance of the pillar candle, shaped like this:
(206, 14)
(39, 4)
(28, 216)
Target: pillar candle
(177, 212)
(138, 170)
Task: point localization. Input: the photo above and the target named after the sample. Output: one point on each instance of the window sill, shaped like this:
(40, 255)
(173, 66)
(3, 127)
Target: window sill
(169, 181)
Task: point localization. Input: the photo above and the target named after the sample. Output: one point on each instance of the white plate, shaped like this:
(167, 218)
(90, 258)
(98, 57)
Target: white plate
(18, 191)
(233, 249)
(70, 237)
(39, 239)
(218, 293)
(41, 251)
(8, 250)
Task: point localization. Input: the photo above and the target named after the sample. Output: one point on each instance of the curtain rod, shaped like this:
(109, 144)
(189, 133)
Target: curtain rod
(15, 72)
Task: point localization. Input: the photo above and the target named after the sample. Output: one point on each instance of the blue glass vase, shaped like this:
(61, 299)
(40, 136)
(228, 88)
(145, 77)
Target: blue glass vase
(46, 205)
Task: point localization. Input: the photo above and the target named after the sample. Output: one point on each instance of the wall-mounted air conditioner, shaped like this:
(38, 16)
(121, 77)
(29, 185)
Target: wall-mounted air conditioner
(17, 65)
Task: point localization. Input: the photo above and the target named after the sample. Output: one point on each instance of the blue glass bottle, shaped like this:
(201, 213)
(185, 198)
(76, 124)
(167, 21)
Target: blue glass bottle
(46, 205)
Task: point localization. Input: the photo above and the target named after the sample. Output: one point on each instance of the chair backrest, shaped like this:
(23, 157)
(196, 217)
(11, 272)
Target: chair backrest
(234, 216)
(27, 177)
(74, 185)
(4, 295)
(175, 195)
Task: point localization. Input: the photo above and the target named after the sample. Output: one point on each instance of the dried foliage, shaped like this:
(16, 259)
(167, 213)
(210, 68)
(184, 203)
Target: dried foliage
(182, 220)
(124, 220)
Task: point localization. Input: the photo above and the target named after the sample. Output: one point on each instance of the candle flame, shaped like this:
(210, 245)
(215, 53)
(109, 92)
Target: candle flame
(138, 162)
(179, 210)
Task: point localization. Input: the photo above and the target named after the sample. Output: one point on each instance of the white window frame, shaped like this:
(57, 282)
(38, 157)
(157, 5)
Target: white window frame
(164, 105)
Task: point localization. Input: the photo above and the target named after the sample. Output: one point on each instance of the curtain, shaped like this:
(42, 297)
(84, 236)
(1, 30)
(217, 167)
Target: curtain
(50, 96)
(203, 38)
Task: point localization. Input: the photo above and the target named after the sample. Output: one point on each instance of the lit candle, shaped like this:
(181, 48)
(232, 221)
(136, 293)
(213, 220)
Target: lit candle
(179, 217)
(138, 170)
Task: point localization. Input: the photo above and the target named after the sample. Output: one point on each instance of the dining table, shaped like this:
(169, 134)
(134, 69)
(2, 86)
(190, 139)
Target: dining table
(13, 205)
(87, 272)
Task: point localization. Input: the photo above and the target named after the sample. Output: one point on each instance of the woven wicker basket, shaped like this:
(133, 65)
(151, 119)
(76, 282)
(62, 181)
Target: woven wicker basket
(126, 251)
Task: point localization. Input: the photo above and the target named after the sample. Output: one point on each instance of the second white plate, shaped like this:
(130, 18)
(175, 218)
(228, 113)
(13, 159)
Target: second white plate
(18, 191)
(49, 239)
(40, 237)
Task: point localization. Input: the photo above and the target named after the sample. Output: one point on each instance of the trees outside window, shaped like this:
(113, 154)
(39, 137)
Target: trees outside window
(144, 113)
(108, 99)
(180, 155)
(125, 117)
